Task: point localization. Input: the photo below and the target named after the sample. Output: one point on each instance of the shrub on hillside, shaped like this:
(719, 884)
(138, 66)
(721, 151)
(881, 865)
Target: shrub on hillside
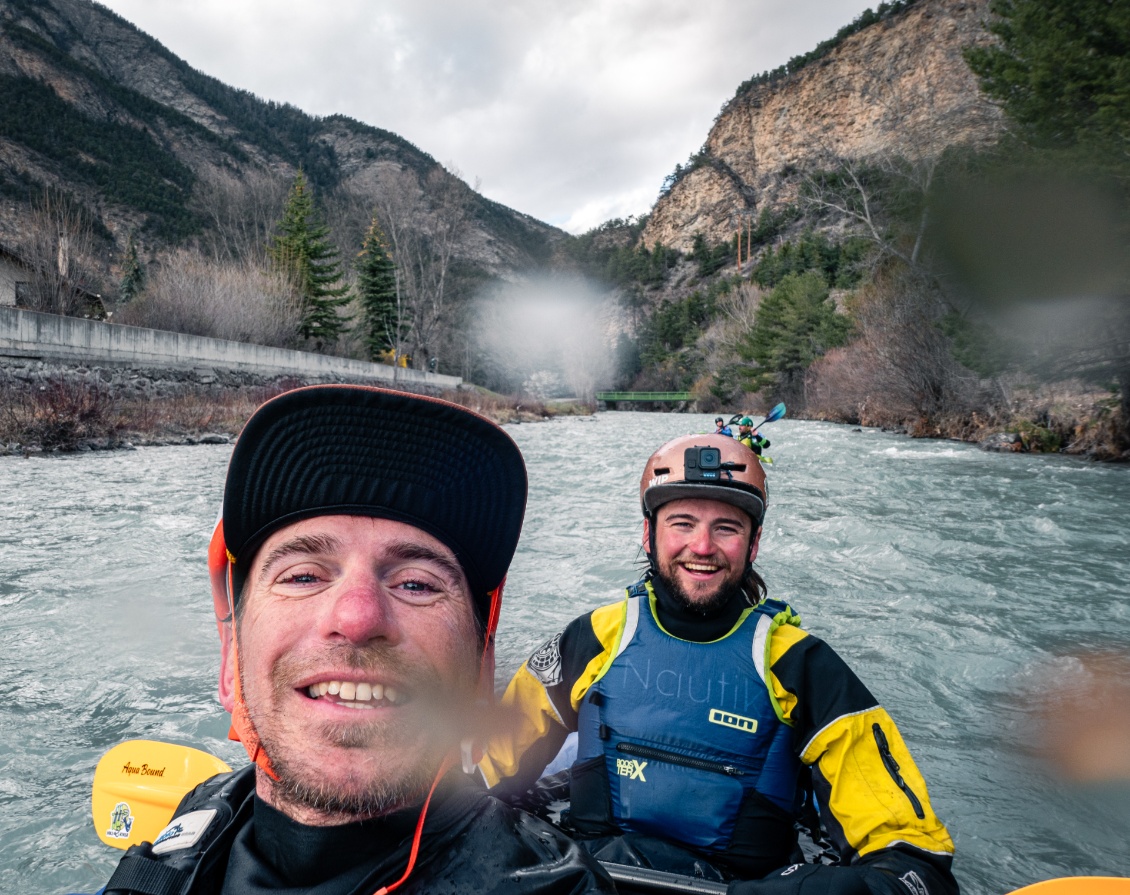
(900, 368)
(189, 294)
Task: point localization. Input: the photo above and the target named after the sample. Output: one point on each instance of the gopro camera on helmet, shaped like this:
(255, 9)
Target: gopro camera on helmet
(702, 464)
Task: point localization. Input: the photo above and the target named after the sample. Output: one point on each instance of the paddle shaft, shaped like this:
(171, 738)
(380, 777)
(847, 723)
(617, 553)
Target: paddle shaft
(659, 881)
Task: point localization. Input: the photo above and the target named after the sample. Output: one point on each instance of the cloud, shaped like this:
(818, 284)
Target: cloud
(571, 112)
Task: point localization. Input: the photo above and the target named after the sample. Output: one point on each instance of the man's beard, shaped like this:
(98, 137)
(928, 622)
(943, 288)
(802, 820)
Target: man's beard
(428, 730)
(358, 800)
(726, 592)
(359, 797)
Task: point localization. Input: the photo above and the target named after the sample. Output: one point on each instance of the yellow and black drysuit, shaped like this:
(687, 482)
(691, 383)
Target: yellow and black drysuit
(704, 732)
(755, 442)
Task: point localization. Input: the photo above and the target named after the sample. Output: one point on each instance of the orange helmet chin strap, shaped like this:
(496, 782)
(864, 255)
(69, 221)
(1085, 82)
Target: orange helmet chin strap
(242, 729)
(223, 600)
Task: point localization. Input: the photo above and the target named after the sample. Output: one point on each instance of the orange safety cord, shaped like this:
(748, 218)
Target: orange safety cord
(417, 837)
(419, 834)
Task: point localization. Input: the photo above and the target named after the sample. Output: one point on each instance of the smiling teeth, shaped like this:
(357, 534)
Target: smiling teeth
(354, 695)
(699, 567)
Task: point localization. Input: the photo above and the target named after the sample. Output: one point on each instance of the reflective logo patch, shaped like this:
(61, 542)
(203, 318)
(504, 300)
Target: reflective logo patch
(729, 719)
(121, 821)
(545, 664)
(184, 831)
(913, 881)
(629, 767)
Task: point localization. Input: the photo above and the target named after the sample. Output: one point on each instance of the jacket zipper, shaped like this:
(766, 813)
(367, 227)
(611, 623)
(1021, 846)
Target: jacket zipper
(892, 767)
(687, 761)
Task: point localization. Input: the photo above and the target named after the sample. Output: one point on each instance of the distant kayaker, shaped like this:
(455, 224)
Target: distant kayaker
(706, 716)
(720, 428)
(362, 560)
(751, 439)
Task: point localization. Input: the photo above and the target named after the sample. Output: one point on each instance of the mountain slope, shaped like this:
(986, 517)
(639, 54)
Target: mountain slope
(95, 107)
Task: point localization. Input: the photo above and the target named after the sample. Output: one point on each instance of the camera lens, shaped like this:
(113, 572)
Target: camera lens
(709, 458)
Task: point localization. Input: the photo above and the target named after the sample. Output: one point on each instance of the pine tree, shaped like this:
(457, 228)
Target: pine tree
(376, 281)
(796, 323)
(302, 252)
(133, 274)
(1060, 71)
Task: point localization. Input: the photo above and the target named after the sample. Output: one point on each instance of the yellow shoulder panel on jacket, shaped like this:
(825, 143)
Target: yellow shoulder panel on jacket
(534, 720)
(785, 638)
(607, 625)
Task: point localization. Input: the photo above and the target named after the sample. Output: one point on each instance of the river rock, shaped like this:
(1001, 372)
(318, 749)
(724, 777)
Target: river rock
(1002, 442)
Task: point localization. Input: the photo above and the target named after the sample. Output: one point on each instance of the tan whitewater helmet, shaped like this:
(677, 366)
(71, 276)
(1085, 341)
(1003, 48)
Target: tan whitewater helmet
(714, 467)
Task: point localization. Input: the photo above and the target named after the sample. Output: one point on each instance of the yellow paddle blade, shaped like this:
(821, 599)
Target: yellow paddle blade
(1079, 885)
(138, 785)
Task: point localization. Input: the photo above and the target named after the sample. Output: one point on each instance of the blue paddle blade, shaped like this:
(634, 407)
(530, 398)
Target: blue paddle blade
(775, 414)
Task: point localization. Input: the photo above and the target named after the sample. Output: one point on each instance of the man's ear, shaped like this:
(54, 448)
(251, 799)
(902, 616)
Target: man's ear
(228, 670)
(754, 545)
(647, 535)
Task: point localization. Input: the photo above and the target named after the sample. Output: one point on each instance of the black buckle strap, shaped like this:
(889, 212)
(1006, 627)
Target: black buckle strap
(139, 874)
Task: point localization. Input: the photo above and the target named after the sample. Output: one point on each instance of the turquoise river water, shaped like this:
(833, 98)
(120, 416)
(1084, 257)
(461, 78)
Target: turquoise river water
(958, 584)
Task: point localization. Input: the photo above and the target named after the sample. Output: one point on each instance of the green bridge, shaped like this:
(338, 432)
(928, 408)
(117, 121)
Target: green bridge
(612, 397)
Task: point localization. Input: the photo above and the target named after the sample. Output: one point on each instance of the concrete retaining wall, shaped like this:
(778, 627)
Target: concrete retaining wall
(30, 335)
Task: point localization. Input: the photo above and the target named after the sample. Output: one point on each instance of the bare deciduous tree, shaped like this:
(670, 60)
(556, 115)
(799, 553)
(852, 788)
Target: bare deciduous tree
(425, 228)
(885, 191)
(241, 213)
(58, 248)
(885, 195)
(900, 367)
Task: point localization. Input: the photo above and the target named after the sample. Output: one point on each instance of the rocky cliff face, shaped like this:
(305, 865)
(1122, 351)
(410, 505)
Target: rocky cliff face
(104, 87)
(897, 87)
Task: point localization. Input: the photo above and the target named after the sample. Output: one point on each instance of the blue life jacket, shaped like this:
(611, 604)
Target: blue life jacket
(683, 740)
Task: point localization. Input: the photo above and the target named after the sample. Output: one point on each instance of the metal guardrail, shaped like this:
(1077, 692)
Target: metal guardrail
(643, 396)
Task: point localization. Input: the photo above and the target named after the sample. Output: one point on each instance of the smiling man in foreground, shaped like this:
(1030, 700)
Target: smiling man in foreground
(357, 576)
(708, 722)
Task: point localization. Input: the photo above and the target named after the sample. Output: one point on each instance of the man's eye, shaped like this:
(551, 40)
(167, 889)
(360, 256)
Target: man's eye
(300, 578)
(419, 587)
(413, 590)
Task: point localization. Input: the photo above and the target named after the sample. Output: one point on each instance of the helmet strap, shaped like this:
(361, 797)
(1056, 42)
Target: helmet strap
(242, 728)
(652, 560)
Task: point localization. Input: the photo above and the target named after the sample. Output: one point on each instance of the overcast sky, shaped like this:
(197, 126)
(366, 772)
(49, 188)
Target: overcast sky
(572, 111)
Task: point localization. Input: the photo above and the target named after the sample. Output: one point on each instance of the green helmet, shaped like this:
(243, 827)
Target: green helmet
(745, 421)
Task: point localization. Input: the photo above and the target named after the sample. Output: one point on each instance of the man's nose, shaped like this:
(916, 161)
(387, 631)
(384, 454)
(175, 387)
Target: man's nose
(702, 541)
(362, 610)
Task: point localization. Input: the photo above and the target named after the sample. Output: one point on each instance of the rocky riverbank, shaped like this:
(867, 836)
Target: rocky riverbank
(50, 408)
(1067, 418)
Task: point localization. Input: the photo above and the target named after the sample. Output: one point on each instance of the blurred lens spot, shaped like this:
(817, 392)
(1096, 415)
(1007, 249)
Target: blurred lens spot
(1081, 724)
